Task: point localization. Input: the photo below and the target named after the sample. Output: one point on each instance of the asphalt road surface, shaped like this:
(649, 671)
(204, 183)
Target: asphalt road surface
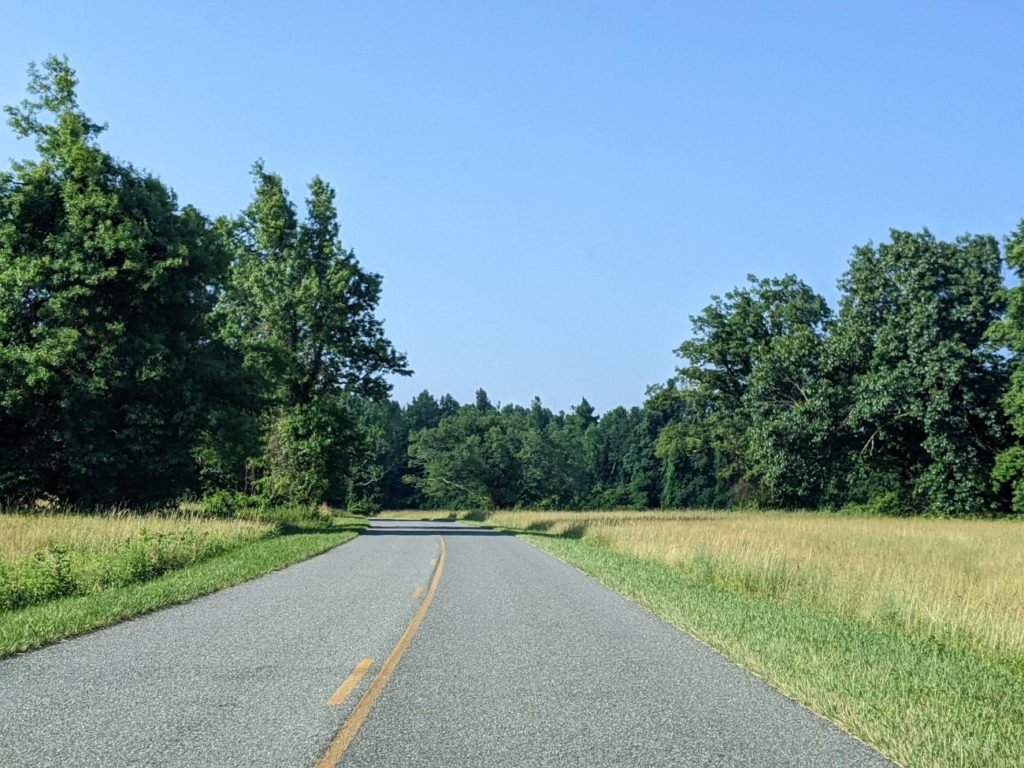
(417, 644)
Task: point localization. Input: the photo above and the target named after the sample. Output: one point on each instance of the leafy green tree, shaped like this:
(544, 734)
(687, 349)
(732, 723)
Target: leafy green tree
(423, 412)
(449, 405)
(300, 310)
(533, 458)
(721, 385)
(690, 475)
(922, 377)
(380, 478)
(107, 364)
(797, 443)
(466, 462)
(483, 402)
(583, 416)
(623, 470)
(377, 480)
(485, 457)
(553, 459)
(310, 451)
(1008, 473)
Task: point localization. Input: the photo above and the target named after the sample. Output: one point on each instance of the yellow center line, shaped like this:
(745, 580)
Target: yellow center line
(350, 682)
(343, 738)
(433, 562)
(418, 592)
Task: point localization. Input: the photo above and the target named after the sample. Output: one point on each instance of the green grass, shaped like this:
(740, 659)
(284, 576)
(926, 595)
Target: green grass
(56, 619)
(48, 556)
(924, 698)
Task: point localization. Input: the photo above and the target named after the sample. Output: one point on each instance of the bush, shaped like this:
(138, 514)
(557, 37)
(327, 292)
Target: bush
(363, 507)
(44, 576)
(225, 503)
(886, 505)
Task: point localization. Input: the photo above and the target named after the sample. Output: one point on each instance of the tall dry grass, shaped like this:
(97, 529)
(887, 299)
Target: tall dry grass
(48, 556)
(950, 578)
(24, 535)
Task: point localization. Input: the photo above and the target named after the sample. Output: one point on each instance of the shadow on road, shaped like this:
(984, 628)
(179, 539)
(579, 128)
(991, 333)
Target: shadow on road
(429, 530)
(291, 529)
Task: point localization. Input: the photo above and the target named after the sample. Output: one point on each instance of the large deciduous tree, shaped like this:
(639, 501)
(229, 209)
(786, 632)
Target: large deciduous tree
(749, 360)
(923, 377)
(1008, 474)
(301, 310)
(469, 460)
(106, 361)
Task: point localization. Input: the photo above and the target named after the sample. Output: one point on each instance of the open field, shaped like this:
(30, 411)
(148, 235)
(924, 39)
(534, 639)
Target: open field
(951, 578)
(63, 574)
(906, 632)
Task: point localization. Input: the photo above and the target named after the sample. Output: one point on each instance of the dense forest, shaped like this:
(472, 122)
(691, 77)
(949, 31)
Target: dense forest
(149, 353)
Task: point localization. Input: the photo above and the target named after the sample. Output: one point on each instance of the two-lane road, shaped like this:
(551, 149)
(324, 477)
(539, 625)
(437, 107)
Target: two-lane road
(417, 644)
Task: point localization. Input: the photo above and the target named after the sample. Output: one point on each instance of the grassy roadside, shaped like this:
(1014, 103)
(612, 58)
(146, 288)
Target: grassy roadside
(920, 701)
(56, 619)
(924, 698)
(48, 556)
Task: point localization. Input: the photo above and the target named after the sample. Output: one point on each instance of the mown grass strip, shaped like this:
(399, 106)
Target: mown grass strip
(38, 625)
(921, 702)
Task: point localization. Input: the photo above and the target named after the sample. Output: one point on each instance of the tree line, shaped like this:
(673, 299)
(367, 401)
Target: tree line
(149, 352)
(908, 398)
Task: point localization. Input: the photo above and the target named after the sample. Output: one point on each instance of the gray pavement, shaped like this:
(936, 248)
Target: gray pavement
(520, 661)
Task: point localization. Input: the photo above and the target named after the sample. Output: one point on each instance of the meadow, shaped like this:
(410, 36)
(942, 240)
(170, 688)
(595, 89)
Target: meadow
(63, 573)
(961, 579)
(906, 632)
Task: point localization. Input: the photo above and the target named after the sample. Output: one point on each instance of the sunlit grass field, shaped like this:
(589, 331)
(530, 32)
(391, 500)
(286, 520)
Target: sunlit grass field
(907, 632)
(62, 573)
(959, 578)
(24, 535)
(43, 557)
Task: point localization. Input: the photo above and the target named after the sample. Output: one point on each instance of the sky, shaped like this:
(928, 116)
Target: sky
(551, 189)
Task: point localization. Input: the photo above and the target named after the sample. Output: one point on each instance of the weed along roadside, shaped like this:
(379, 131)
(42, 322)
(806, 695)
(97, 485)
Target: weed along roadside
(64, 574)
(861, 620)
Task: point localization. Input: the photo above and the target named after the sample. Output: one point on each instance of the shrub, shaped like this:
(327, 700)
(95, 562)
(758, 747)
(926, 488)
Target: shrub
(225, 503)
(363, 507)
(885, 505)
(44, 576)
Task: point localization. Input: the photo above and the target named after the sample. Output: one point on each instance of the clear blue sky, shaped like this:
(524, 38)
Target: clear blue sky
(550, 189)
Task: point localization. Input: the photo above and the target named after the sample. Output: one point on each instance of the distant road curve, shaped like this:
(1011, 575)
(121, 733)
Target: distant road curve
(417, 644)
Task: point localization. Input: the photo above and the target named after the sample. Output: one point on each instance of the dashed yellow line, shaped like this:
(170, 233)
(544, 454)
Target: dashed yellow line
(343, 738)
(433, 562)
(418, 592)
(350, 682)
